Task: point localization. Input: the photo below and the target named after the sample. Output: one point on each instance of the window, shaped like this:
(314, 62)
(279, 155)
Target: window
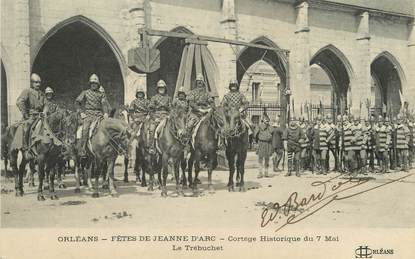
(255, 92)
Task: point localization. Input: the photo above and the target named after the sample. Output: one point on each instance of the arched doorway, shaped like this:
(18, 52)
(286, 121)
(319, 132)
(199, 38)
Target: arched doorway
(251, 61)
(338, 70)
(70, 53)
(387, 84)
(4, 108)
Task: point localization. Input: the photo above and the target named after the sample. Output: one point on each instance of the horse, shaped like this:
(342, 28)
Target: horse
(235, 133)
(204, 147)
(172, 141)
(46, 146)
(110, 140)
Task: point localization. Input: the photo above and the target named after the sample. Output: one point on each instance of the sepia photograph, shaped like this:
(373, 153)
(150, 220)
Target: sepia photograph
(207, 129)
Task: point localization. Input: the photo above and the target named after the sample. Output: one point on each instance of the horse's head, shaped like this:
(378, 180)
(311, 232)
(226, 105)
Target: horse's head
(178, 121)
(232, 121)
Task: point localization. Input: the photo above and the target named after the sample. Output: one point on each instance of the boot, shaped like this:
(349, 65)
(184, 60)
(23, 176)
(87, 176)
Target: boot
(266, 172)
(260, 175)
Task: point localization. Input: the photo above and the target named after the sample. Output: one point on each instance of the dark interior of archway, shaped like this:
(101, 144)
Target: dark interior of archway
(171, 50)
(251, 55)
(70, 56)
(337, 73)
(389, 82)
(4, 110)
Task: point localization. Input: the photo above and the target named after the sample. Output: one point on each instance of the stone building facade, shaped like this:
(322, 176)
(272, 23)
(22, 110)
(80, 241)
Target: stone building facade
(66, 40)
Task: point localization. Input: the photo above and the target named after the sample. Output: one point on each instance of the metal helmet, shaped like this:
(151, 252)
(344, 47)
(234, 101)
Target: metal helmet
(161, 84)
(139, 90)
(356, 118)
(339, 117)
(233, 82)
(94, 79)
(199, 77)
(35, 77)
(399, 117)
(380, 118)
(319, 117)
(101, 89)
(181, 90)
(49, 90)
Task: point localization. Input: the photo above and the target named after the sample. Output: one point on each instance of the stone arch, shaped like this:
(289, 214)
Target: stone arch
(338, 69)
(171, 50)
(5, 83)
(74, 49)
(391, 80)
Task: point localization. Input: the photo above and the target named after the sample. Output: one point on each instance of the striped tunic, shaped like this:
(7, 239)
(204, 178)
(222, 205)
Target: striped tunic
(357, 137)
(381, 136)
(412, 135)
(304, 140)
(348, 136)
(402, 136)
(320, 137)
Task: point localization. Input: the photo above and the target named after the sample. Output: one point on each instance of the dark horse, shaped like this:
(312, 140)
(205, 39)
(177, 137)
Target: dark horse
(172, 141)
(204, 147)
(46, 146)
(235, 133)
(110, 140)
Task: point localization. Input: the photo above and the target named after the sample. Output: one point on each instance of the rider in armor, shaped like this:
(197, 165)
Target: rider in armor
(180, 100)
(200, 102)
(50, 101)
(139, 107)
(236, 99)
(31, 104)
(95, 106)
(160, 105)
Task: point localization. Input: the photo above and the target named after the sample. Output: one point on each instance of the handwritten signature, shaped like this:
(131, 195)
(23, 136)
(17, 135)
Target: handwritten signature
(296, 209)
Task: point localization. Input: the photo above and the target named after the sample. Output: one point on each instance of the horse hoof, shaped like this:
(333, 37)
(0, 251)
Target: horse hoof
(62, 186)
(164, 194)
(54, 197)
(211, 189)
(105, 187)
(242, 189)
(143, 184)
(150, 188)
(125, 180)
(19, 193)
(238, 184)
(114, 194)
(197, 181)
(46, 187)
(77, 190)
(231, 189)
(95, 195)
(41, 198)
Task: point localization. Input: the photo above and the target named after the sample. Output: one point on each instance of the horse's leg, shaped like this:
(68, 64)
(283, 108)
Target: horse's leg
(51, 167)
(183, 163)
(96, 168)
(177, 165)
(240, 167)
(89, 170)
(61, 172)
(126, 160)
(31, 174)
(231, 163)
(16, 173)
(41, 173)
(165, 163)
(110, 175)
(103, 172)
(210, 171)
(77, 178)
(197, 170)
(190, 171)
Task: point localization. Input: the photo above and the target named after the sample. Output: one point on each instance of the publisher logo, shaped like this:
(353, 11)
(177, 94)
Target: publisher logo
(363, 252)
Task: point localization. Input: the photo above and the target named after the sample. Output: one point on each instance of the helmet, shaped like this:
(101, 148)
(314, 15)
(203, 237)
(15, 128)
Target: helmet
(93, 79)
(380, 118)
(265, 118)
(35, 77)
(356, 118)
(161, 84)
(199, 77)
(101, 89)
(399, 117)
(139, 90)
(319, 117)
(49, 90)
(181, 90)
(233, 82)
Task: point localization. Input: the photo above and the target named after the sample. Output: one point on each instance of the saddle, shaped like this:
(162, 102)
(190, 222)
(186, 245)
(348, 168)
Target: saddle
(91, 131)
(196, 130)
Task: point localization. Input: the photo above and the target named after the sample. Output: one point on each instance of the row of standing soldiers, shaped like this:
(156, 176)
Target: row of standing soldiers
(354, 144)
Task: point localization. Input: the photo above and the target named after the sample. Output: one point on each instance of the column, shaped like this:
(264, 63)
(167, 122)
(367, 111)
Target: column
(21, 57)
(300, 60)
(137, 19)
(224, 55)
(360, 91)
(409, 89)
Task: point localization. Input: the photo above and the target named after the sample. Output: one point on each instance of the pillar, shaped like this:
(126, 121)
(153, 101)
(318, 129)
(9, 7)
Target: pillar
(225, 56)
(300, 60)
(410, 87)
(360, 91)
(21, 57)
(137, 20)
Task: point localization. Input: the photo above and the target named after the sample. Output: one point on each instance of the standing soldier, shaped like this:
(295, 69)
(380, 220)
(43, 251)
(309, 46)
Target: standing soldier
(304, 143)
(391, 139)
(320, 144)
(95, 106)
(31, 104)
(180, 100)
(264, 139)
(358, 147)
(331, 142)
(160, 105)
(348, 145)
(200, 102)
(382, 145)
(50, 101)
(402, 143)
(368, 143)
(411, 126)
(139, 108)
(277, 144)
(292, 145)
